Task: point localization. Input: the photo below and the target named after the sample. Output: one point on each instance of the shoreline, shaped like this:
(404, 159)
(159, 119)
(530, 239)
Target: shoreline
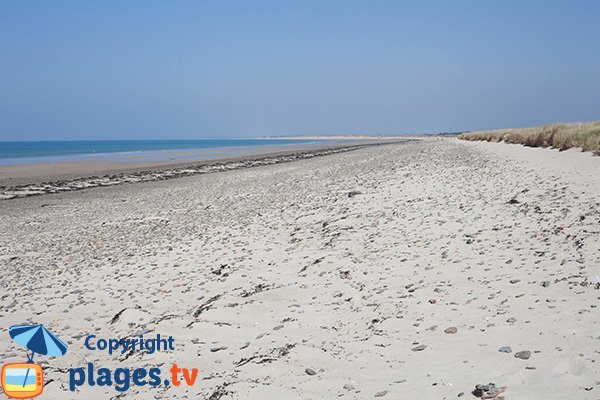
(38, 179)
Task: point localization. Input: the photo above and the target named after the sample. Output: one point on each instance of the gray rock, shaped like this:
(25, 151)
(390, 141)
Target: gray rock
(349, 386)
(513, 281)
(523, 355)
(546, 283)
(420, 347)
(511, 320)
(310, 371)
(505, 349)
(381, 394)
(452, 330)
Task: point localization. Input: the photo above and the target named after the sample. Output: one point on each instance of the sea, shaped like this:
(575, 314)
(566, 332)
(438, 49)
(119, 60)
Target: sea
(123, 151)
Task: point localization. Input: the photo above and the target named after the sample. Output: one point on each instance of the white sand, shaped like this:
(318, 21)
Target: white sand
(285, 260)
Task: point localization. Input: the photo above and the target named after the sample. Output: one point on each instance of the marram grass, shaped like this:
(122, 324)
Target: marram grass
(585, 135)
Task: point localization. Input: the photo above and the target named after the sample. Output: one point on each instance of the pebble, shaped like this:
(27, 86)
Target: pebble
(511, 320)
(215, 349)
(310, 371)
(513, 281)
(349, 386)
(505, 349)
(420, 347)
(546, 283)
(381, 394)
(451, 330)
(523, 355)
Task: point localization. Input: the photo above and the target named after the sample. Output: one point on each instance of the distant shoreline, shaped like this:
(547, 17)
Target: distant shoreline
(19, 181)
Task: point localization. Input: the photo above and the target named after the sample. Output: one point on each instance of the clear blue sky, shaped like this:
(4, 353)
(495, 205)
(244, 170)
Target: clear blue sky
(184, 69)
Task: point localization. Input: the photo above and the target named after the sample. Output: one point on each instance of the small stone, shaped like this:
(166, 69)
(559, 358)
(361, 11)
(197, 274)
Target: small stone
(215, 349)
(511, 320)
(546, 283)
(381, 394)
(523, 355)
(420, 347)
(310, 372)
(461, 394)
(505, 349)
(513, 281)
(349, 386)
(452, 330)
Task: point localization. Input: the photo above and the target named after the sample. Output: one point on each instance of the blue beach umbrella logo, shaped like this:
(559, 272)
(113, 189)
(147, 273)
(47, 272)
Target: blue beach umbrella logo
(38, 339)
(25, 380)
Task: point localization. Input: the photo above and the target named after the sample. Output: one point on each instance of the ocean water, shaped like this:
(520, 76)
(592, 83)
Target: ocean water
(15, 153)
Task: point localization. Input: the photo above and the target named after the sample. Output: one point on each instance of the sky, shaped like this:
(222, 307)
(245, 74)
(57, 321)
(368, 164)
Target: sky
(198, 69)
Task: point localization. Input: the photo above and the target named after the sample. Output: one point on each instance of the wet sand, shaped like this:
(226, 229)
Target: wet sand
(33, 179)
(413, 270)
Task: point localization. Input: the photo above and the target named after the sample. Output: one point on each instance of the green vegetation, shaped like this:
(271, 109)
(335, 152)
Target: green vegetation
(561, 136)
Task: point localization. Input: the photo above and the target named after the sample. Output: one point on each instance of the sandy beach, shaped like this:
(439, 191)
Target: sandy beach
(404, 271)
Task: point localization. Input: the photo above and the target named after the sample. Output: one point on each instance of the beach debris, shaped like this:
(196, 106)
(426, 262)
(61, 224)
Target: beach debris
(349, 386)
(513, 200)
(420, 347)
(220, 270)
(117, 316)
(489, 391)
(310, 371)
(206, 306)
(215, 349)
(546, 284)
(315, 262)
(273, 355)
(451, 331)
(523, 355)
(353, 193)
(382, 393)
(505, 349)
(219, 392)
(261, 287)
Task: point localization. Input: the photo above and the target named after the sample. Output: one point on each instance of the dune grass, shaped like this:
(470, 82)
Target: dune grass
(585, 135)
